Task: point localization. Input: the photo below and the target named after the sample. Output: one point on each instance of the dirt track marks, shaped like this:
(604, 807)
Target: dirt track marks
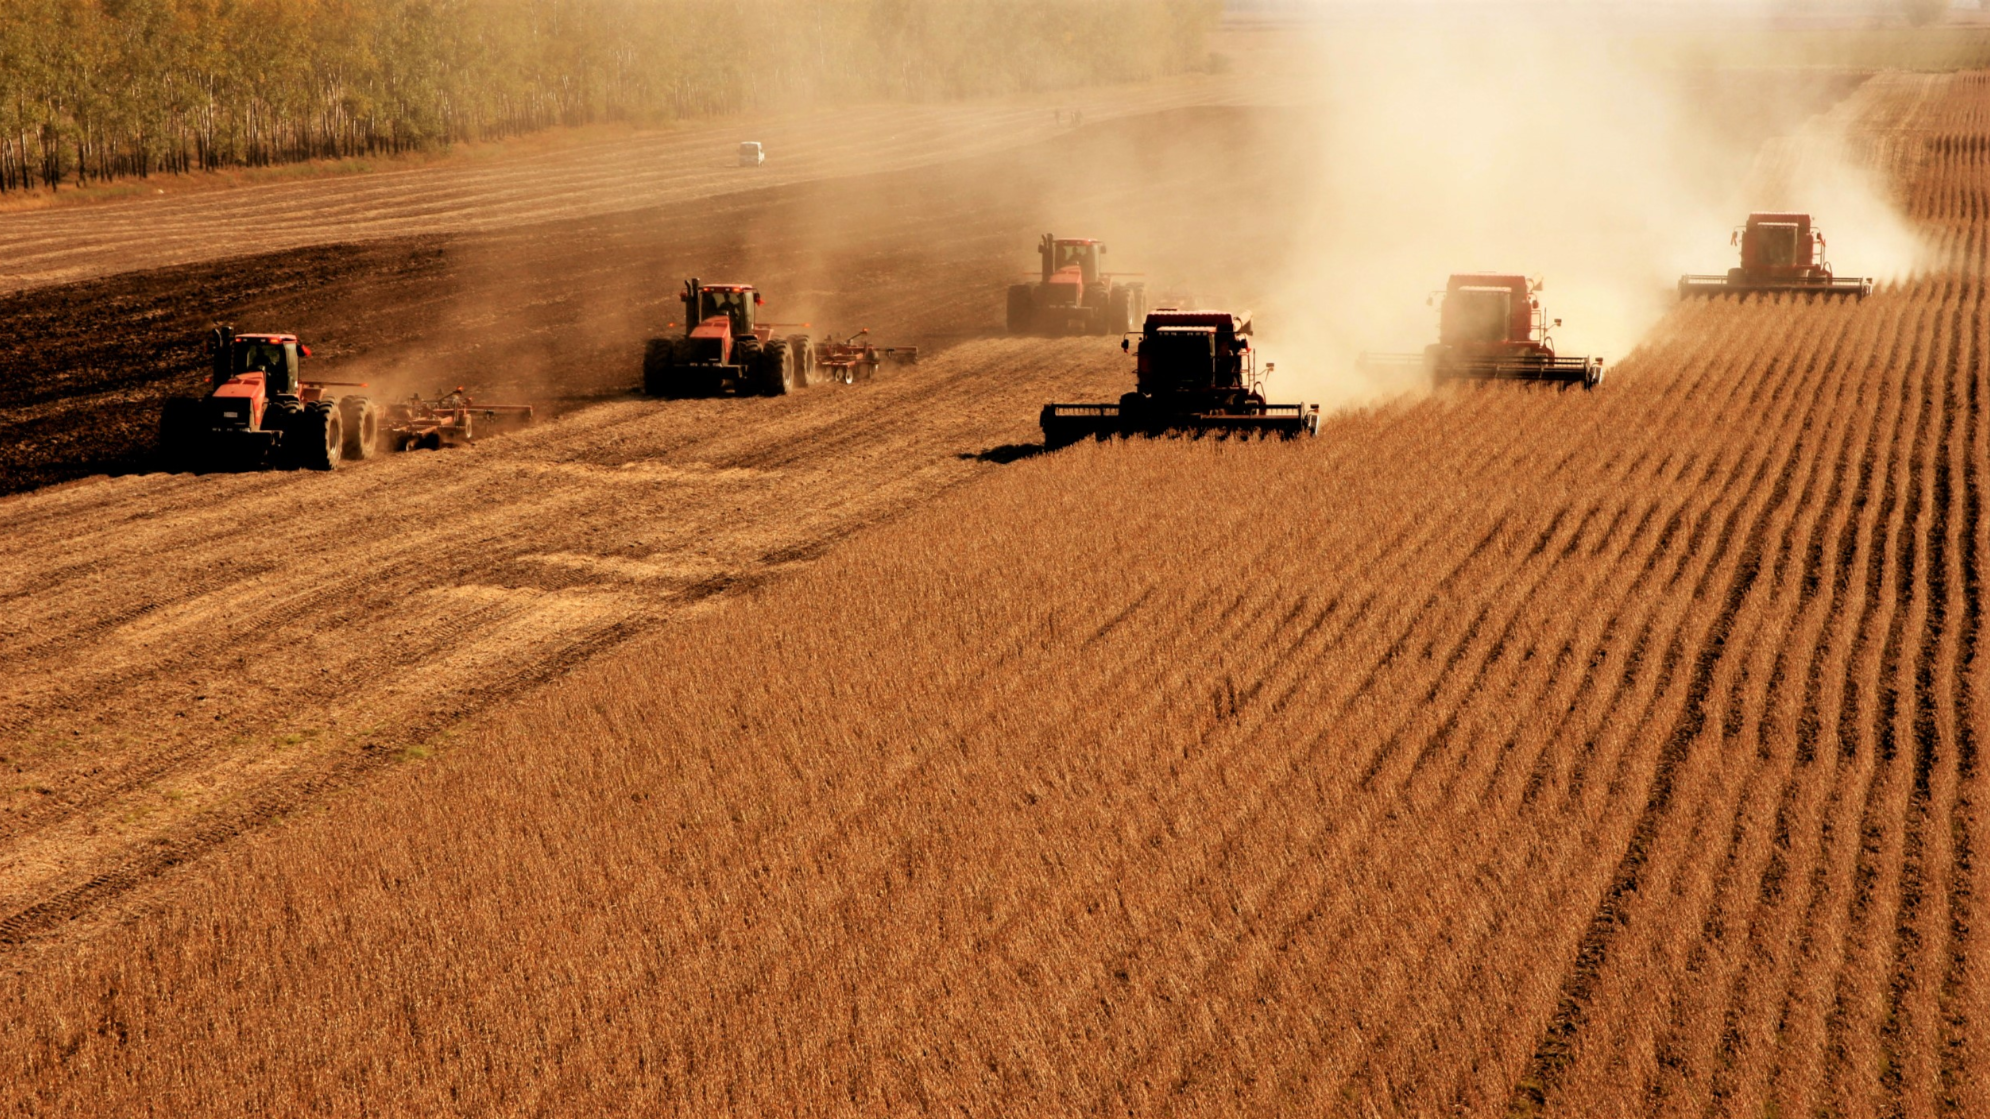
(190, 653)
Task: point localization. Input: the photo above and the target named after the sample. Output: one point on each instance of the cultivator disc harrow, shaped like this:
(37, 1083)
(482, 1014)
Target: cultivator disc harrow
(449, 420)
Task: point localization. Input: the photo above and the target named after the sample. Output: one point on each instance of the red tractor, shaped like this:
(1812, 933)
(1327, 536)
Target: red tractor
(1491, 327)
(260, 413)
(724, 349)
(1779, 253)
(1071, 295)
(1195, 371)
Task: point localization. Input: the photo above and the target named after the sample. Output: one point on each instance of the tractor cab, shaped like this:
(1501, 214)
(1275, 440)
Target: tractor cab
(273, 356)
(1071, 253)
(706, 302)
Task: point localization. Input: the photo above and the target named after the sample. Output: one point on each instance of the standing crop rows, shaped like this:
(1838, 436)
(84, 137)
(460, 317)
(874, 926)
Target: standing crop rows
(1515, 750)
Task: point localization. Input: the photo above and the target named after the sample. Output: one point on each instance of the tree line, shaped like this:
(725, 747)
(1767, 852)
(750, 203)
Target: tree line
(99, 89)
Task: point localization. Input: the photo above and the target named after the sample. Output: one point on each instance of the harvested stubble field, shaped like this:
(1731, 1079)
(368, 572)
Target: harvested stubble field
(1506, 750)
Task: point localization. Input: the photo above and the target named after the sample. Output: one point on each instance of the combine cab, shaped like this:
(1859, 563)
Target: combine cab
(1779, 253)
(724, 350)
(1490, 327)
(1072, 296)
(1196, 373)
(450, 420)
(261, 413)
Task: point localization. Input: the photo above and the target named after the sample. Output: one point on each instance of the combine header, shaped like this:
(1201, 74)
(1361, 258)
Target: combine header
(1779, 253)
(1195, 373)
(1490, 327)
(1071, 295)
(724, 349)
(261, 413)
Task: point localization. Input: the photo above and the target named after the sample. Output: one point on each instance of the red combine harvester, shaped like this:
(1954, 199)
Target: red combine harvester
(261, 413)
(450, 420)
(724, 349)
(1490, 327)
(1071, 296)
(856, 359)
(1195, 373)
(1779, 253)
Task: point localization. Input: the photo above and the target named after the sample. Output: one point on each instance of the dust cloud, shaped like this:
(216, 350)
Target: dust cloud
(1544, 146)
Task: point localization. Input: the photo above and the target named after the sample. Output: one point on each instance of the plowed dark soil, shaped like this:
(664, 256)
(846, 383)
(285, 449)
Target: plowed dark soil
(190, 654)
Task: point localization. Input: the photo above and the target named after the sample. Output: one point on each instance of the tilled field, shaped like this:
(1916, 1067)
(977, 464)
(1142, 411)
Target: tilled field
(1511, 750)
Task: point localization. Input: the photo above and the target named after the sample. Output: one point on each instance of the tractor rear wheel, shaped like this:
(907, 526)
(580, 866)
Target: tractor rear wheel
(777, 374)
(316, 438)
(801, 355)
(361, 420)
(1021, 306)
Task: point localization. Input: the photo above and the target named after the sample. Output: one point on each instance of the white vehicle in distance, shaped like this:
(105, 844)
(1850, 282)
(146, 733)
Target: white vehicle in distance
(751, 154)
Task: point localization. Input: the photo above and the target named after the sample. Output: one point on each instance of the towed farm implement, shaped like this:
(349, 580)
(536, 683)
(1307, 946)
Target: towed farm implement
(1779, 253)
(450, 420)
(1195, 372)
(1491, 328)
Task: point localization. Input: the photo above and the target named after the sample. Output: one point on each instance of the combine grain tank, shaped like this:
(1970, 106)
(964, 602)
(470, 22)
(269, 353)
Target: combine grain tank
(1195, 372)
(1491, 327)
(1779, 253)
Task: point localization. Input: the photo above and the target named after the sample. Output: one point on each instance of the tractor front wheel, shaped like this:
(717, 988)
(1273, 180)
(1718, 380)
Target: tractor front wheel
(1021, 309)
(316, 439)
(660, 368)
(777, 374)
(179, 431)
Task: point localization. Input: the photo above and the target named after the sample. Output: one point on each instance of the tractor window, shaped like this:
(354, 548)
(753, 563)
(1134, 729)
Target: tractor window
(258, 355)
(737, 306)
(1069, 254)
(1477, 315)
(1779, 243)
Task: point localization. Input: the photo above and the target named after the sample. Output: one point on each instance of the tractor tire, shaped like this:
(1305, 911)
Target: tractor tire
(777, 374)
(179, 434)
(1022, 307)
(361, 419)
(801, 355)
(316, 439)
(1119, 313)
(660, 368)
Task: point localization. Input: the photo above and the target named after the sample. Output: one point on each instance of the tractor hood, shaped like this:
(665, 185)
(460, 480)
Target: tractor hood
(718, 326)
